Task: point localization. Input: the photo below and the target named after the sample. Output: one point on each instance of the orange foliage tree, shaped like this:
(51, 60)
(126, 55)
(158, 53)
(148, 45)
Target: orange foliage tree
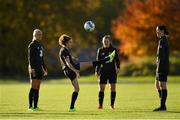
(136, 27)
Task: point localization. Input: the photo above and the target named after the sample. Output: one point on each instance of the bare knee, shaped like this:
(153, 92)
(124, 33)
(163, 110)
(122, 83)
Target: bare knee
(113, 87)
(75, 85)
(101, 90)
(157, 86)
(76, 89)
(101, 87)
(163, 85)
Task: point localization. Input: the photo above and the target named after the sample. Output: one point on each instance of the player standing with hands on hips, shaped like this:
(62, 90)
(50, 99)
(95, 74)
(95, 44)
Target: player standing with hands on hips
(162, 66)
(37, 68)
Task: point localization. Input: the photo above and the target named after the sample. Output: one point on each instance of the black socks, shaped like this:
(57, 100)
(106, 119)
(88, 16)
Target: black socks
(36, 97)
(113, 97)
(101, 98)
(163, 97)
(33, 97)
(73, 99)
(159, 91)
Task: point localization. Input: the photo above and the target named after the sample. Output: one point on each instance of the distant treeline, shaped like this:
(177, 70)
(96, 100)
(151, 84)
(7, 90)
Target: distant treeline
(54, 17)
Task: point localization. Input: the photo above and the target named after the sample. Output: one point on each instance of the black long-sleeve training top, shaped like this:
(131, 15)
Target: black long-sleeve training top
(63, 53)
(163, 56)
(108, 66)
(35, 55)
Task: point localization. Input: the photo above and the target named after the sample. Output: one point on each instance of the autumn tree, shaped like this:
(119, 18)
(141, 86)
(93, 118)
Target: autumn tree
(54, 17)
(136, 28)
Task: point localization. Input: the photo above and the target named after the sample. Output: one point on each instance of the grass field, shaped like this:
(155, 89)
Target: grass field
(133, 101)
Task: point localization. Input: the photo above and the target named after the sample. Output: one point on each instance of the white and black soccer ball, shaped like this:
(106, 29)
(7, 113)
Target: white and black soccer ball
(89, 26)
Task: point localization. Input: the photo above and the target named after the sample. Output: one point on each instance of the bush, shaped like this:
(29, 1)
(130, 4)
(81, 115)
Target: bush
(175, 66)
(147, 67)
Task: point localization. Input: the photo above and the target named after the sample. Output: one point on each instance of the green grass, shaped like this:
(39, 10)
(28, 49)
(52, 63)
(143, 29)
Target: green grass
(133, 101)
(93, 79)
(121, 79)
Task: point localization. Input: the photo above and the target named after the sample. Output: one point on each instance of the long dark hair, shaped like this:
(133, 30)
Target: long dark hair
(163, 28)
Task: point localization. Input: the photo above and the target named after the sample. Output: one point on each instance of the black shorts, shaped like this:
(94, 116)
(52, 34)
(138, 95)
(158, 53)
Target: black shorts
(161, 77)
(105, 76)
(69, 73)
(37, 75)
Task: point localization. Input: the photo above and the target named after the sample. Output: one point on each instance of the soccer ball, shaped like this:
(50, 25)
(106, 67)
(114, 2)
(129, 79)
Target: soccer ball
(89, 26)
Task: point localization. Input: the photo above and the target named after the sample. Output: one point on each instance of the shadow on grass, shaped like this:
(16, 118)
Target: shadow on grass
(47, 113)
(173, 111)
(150, 111)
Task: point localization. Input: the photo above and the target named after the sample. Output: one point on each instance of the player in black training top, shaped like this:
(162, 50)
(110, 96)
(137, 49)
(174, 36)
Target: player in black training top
(107, 71)
(72, 69)
(162, 66)
(37, 68)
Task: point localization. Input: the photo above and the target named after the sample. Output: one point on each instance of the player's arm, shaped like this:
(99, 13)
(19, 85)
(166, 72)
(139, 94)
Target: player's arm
(32, 64)
(162, 55)
(117, 60)
(44, 68)
(32, 56)
(97, 69)
(43, 63)
(67, 60)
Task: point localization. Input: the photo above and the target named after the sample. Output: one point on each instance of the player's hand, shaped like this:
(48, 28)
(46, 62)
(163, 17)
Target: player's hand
(117, 70)
(97, 74)
(45, 73)
(31, 71)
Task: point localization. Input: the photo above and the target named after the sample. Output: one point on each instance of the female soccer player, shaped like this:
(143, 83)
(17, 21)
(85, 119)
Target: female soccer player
(162, 66)
(107, 71)
(71, 70)
(37, 68)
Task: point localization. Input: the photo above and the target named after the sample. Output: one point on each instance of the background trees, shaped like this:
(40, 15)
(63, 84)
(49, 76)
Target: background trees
(131, 22)
(135, 29)
(54, 17)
